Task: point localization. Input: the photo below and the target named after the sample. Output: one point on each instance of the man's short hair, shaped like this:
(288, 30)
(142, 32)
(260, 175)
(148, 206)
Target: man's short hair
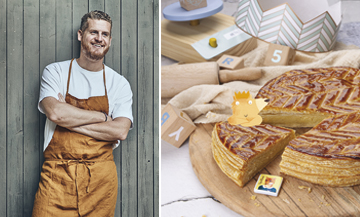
(95, 15)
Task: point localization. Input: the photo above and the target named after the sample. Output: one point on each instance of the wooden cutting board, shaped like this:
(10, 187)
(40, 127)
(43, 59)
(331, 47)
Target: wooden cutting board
(291, 201)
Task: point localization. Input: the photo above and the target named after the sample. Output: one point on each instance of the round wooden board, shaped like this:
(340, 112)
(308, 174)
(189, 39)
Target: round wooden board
(291, 201)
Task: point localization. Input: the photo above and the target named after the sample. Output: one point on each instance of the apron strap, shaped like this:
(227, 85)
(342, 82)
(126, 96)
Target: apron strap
(68, 81)
(104, 80)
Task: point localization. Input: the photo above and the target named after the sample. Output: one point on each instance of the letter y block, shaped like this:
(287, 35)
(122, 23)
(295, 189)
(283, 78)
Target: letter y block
(176, 126)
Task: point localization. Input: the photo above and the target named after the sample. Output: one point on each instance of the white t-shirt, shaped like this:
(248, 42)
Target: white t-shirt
(85, 84)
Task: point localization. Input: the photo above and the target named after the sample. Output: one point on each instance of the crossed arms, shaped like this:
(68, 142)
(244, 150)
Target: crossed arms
(90, 123)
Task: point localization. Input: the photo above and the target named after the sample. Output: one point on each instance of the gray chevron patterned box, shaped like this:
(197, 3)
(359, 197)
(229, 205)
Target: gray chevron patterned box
(305, 25)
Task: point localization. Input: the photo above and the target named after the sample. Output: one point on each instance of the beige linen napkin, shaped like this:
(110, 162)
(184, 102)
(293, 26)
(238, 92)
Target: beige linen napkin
(212, 103)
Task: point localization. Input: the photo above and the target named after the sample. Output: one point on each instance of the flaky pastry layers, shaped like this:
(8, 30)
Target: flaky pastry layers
(241, 152)
(328, 154)
(303, 98)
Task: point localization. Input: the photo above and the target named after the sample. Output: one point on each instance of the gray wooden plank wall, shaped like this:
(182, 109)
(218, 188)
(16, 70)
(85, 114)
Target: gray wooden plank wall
(35, 33)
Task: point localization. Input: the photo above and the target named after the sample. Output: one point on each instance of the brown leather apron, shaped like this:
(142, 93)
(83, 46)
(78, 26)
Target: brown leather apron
(79, 176)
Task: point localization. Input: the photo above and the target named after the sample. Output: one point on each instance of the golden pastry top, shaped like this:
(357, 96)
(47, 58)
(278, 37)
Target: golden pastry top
(333, 90)
(246, 142)
(335, 137)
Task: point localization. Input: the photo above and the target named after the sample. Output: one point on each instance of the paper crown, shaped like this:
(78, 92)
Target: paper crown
(281, 25)
(243, 95)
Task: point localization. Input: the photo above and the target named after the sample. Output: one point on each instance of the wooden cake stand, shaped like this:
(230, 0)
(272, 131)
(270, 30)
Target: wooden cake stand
(291, 201)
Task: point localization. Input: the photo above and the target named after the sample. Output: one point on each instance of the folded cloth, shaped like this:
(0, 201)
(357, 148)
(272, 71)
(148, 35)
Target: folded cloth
(212, 103)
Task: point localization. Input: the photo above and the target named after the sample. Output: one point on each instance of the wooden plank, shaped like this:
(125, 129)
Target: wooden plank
(119, 168)
(129, 71)
(15, 130)
(47, 32)
(47, 48)
(113, 60)
(32, 148)
(146, 103)
(3, 93)
(64, 35)
(96, 5)
(156, 119)
(80, 7)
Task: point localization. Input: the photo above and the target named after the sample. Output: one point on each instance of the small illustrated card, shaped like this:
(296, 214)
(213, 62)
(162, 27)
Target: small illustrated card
(268, 184)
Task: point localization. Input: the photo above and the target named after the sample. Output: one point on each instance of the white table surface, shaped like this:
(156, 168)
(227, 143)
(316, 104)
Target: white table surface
(181, 193)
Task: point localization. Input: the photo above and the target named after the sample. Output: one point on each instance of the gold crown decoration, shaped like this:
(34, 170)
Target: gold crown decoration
(244, 95)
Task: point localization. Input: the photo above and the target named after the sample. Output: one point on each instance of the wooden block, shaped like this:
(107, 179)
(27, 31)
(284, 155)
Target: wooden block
(177, 38)
(230, 62)
(192, 4)
(176, 126)
(279, 55)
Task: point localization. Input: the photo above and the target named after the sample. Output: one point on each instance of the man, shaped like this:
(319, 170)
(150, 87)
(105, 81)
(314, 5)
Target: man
(88, 109)
(268, 186)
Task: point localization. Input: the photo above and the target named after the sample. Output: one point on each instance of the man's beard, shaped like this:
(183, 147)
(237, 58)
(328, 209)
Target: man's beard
(89, 54)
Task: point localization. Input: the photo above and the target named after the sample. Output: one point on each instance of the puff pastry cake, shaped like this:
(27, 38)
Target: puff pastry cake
(303, 98)
(241, 152)
(328, 154)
